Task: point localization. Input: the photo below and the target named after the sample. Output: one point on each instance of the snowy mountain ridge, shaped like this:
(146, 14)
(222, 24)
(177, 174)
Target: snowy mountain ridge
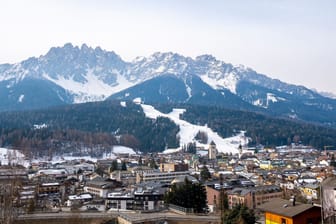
(72, 74)
(94, 74)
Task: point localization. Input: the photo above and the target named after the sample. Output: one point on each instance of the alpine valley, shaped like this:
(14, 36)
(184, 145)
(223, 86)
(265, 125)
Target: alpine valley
(87, 94)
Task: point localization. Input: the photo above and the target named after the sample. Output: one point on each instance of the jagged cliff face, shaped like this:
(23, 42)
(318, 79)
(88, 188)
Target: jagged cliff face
(71, 74)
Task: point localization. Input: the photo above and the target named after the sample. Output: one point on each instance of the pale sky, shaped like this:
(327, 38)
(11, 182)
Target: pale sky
(291, 40)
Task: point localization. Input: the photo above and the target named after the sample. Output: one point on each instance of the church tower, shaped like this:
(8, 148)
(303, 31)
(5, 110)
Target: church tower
(212, 151)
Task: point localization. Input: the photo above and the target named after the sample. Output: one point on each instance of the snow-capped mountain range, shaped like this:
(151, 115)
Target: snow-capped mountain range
(72, 74)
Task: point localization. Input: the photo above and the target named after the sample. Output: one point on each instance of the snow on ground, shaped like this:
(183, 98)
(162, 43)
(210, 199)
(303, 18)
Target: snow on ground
(111, 155)
(11, 156)
(188, 131)
(123, 103)
(122, 149)
(137, 100)
(21, 98)
(169, 151)
(202, 152)
(229, 81)
(93, 88)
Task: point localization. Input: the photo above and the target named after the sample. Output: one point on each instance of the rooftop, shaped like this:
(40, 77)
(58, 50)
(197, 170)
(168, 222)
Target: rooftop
(285, 207)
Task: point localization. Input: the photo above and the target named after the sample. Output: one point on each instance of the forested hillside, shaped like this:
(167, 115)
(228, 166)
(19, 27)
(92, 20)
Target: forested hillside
(92, 128)
(100, 124)
(263, 130)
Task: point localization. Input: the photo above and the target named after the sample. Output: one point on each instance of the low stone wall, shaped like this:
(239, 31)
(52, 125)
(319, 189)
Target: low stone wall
(66, 221)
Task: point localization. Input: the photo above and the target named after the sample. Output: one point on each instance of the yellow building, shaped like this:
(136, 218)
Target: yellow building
(310, 191)
(280, 211)
(266, 165)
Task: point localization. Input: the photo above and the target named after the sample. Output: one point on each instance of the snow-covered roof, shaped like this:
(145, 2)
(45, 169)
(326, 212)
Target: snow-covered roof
(80, 197)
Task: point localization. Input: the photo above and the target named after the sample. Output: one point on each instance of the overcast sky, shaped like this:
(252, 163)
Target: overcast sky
(292, 40)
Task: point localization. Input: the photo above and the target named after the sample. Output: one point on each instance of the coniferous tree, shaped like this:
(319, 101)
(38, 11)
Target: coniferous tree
(332, 161)
(239, 215)
(140, 161)
(152, 164)
(205, 173)
(114, 166)
(188, 195)
(123, 165)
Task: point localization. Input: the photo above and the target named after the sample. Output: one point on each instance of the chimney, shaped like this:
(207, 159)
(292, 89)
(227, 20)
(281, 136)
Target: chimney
(293, 200)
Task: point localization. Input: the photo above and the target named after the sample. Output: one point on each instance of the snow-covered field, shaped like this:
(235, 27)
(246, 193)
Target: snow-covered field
(10, 156)
(117, 149)
(122, 149)
(188, 132)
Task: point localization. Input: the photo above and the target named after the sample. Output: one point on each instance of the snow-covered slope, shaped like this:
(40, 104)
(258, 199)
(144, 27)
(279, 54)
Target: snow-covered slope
(12, 157)
(188, 131)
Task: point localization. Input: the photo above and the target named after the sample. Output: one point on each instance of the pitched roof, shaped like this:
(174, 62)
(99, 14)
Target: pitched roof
(285, 207)
(212, 143)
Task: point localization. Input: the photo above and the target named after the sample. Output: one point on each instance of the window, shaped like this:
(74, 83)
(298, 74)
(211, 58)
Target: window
(283, 221)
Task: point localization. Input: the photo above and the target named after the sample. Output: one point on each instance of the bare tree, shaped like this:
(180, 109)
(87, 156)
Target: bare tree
(8, 193)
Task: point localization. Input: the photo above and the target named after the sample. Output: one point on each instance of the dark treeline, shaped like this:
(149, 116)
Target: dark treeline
(100, 123)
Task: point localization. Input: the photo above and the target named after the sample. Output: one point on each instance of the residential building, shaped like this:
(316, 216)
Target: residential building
(100, 187)
(51, 188)
(162, 177)
(173, 167)
(12, 174)
(213, 198)
(79, 199)
(253, 197)
(310, 191)
(328, 192)
(280, 211)
(147, 196)
(75, 168)
(124, 176)
(266, 165)
(119, 201)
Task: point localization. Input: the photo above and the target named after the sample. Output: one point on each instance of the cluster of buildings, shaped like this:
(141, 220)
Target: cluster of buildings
(260, 179)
